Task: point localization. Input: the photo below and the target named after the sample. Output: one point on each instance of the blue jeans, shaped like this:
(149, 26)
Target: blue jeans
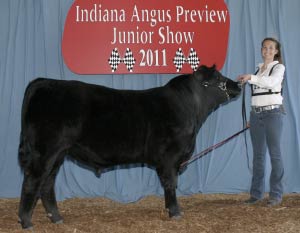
(265, 131)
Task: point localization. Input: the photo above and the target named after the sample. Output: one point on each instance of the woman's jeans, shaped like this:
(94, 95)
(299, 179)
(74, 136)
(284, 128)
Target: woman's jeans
(265, 130)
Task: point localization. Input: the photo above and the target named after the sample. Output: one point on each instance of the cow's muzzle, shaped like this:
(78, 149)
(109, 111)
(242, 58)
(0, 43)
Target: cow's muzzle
(234, 88)
(223, 87)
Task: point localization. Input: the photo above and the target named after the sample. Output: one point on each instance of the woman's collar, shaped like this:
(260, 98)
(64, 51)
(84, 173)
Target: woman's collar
(271, 64)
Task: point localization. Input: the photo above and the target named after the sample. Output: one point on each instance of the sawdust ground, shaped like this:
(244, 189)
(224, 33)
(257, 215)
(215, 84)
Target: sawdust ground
(213, 213)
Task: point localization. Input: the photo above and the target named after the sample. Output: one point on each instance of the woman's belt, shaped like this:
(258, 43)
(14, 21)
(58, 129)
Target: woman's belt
(258, 109)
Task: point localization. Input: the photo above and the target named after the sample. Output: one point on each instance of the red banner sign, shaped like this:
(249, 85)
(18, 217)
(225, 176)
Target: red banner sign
(154, 36)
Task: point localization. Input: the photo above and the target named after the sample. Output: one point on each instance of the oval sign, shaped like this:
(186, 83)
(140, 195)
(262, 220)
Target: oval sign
(130, 36)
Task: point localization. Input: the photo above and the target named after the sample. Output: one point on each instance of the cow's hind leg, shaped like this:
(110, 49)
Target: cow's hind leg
(48, 195)
(168, 178)
(36, 173)
(29, 197)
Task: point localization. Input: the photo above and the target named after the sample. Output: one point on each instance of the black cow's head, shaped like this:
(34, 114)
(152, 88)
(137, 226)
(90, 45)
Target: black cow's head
(219, 85)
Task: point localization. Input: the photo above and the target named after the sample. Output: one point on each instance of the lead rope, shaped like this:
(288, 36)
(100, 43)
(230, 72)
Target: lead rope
(206, 151)
(245, 122)
(209, 149)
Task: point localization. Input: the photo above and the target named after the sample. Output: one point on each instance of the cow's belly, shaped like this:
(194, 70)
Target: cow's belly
(104, 155)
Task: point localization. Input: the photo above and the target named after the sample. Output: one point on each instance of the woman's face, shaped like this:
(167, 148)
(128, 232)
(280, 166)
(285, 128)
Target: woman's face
(268, 50)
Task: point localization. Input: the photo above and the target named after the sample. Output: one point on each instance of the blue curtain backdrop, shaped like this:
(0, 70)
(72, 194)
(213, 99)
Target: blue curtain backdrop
(30, 46)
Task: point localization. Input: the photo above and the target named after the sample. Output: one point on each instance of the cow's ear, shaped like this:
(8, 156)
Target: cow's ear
(214, 67)
(198, 75)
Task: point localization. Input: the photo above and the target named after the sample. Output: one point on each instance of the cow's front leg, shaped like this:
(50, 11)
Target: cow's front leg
(168, 178)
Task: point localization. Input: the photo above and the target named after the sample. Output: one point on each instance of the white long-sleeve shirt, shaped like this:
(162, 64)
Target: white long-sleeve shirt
(263, 82)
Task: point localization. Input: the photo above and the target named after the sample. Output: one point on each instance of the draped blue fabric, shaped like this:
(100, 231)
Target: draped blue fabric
(30, 47)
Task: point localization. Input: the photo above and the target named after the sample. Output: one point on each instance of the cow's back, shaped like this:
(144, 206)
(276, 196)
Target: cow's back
(92, 121)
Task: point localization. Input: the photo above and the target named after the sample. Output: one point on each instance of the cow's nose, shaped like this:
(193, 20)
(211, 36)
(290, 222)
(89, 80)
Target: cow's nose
(240, 84)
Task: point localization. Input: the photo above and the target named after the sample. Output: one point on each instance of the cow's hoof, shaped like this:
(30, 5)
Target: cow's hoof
(59, 222)
(176, 216)
(57, 219)
(26, 226)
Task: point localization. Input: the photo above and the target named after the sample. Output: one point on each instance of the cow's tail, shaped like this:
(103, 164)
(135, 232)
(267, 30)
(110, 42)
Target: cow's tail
(23, 152)
(24, 146)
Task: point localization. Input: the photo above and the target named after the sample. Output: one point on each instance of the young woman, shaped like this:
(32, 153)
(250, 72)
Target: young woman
(266, 121)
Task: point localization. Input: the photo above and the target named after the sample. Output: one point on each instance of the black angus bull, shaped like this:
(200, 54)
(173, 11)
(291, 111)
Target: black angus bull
(102, 127)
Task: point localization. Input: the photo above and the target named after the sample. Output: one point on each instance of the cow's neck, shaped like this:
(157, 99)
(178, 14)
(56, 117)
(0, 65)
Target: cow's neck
(196, 100)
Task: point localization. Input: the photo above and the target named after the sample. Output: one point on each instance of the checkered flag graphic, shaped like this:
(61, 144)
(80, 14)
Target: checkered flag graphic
(115, 59)
(180, 59)
(129, 60)
(193, 59)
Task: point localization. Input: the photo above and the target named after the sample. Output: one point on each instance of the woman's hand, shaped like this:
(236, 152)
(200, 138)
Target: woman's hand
(244, 78)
